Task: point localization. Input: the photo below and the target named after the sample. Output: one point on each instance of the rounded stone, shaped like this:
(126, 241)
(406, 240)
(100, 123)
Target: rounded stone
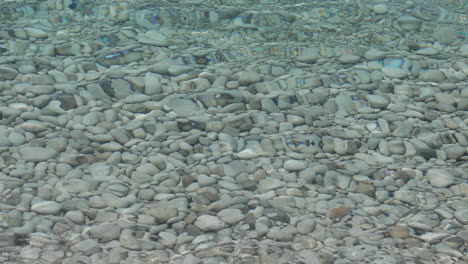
(409, 23)
(295, 165)
(37, 154)
(440, 178)
(445, 35)
(462, 216)
(105, 231)
(231, 216)
(46, 207)
(248, 77)
(349, 58)
(432, 76)
(209, 223)
(380, 9)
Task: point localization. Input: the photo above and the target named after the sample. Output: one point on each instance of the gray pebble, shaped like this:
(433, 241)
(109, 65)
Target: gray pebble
(46, 207)
(440, 178)
(209, 223)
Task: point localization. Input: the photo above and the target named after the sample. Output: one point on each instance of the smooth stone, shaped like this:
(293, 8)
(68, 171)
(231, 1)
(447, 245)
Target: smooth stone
(204, 180)
(167, 239)
(295, 165)
(248, 77)
(137, 98)
(380, 9)
(37, 154)
(454, 151)
(119, 202)
(163, 214)
(35, 89)
(432, 76)
(445, 35)
(231, 216)
(349, 58)
(440, 178)
(128, 240)
(427, 51)
(90, 119)
(75, 216)
(399, 231)
(16, 138)
(282, 234)
(177, 69)
(463, 52)
(68, 49)
(152, 83)
(36, 33)
(378, 101)
(306, 226)
(409, 23)
(374, 54)
(153, 37)
(462, 216)
(46, 207)
(338, 212)
(34, 126)
(396, 147)
(393, 72)
(105, 231)
(20, 33)
(182, 107)
(7, 73)
(76, 186)
(209, 223)
(269, 184)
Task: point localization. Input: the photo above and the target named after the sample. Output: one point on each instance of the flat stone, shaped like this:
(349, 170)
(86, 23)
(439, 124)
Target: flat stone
(269, 184)
(37, 154)
(163, 214)
(306, 226)
(36, 33)
(295, 165)
(7, 73)
(432, 76)
(76, 185)
(231, 216)
(399, 231)
(380, 9)
(46, 207)
(349, 58)
(105, 231)
(282, 234)
(440, 178)
(209, 223)
(182, 107)
(248, 77)
(445, 35)
(204, 180)
(409, 23)
(462, 216)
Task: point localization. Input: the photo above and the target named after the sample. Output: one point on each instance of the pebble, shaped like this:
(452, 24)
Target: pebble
(230, 216)
(295, 165)
(432, 76)
(46, 207)
(445, 35)
(409, 23)
(139, 143)
(209, 223)
(248, 77)
(37, 154)
(380, 9)
(440, 178)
